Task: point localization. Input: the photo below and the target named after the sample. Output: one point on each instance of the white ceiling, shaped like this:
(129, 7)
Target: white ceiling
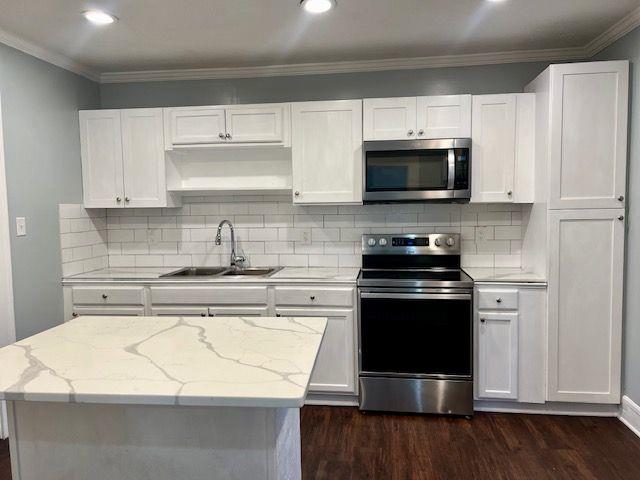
(178, 34)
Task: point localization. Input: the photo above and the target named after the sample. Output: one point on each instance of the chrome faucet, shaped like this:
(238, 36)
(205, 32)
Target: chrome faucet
(237, 261)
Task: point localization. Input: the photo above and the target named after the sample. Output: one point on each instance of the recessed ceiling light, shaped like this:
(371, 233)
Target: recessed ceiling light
(99, 17)
(317, 6)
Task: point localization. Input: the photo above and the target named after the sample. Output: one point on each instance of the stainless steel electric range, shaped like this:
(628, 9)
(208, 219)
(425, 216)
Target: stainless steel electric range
(415, 325)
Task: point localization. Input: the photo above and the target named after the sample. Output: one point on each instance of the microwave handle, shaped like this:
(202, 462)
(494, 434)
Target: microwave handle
(451, 160)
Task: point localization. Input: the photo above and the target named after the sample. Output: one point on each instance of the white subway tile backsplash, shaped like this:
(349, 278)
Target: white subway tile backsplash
(272, 231)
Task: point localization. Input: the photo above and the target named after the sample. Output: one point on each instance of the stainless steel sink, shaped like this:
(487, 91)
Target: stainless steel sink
(197, 272)
(252, 271)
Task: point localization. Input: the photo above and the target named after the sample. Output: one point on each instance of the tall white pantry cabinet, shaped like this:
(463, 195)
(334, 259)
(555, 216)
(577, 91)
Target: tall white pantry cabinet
(579, 217)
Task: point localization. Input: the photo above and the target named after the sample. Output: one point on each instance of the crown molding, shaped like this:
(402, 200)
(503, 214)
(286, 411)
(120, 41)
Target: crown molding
(48, 56)
(345, 67)
(613, 33)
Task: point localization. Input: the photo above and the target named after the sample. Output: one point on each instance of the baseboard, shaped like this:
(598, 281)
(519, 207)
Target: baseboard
(549, 408)
(332, 400)
(630, 414)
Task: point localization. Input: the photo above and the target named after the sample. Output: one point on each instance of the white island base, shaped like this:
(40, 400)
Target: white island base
(53, 441)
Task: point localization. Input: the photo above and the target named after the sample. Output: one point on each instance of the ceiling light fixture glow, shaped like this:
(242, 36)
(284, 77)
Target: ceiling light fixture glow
(317, 6)
(98, 17)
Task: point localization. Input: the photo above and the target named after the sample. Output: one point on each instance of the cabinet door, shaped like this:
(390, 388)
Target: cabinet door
(145, 182)
(194, 125)
(335, 369)
(493, 148)
(445, 116)
(588, 136)
(389, 118)
(497, 355)
(255, 124)
(585, 305)
(101, 150)
(327, 152)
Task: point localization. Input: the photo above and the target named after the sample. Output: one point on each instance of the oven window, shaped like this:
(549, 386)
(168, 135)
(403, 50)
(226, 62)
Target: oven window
(407, 170)
(431, 337)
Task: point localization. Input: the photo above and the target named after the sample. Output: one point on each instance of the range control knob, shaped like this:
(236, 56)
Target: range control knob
(451, 241)
(438, 242)
(371, 242)
(382, 242)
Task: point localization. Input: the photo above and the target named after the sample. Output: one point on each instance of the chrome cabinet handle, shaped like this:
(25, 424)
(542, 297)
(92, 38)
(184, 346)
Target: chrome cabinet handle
(621, 217)
(420, 132)
(410, 132)
(499, 300)
(105, 296)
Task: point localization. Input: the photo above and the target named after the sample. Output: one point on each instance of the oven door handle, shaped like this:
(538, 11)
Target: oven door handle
(417, 296)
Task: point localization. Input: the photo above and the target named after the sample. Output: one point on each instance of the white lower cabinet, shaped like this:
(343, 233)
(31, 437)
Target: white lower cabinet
(509, 343)
(335, 370)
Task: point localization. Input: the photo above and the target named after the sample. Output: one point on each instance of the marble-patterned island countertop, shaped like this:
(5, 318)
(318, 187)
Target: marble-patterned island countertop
(154, 274)
(504, 275)
(221, 361)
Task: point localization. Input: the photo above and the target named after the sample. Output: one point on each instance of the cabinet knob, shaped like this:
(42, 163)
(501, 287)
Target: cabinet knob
(420, 132)
(221, 135)
(621, 198)
(203, 314)
(212, 314)
(621, 217)
(510, 192)
(297, 194)
(499, 300)
(118, 199)
(278, 315)
(126, 199)
(410, 132)
(312, 297)
(482, 320)
(228, 136)
(105, 296)
(74, 314)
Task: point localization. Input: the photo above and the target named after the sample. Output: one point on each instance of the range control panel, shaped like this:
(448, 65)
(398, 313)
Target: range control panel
(411, 244)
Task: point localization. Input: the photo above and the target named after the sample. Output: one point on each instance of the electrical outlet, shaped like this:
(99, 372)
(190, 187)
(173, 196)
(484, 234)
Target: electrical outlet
(21, 226)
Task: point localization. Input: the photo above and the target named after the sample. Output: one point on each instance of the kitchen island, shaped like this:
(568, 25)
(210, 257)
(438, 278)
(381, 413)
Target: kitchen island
(160, 397)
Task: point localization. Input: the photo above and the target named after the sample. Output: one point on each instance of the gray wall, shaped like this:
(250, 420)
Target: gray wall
(40, 105)
(628, 48)
(436, 81)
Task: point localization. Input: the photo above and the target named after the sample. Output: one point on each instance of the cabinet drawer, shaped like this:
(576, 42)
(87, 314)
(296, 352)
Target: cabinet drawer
(209, 295)
(497, 299)
(108, 311)
(108, 295)
(340, 297)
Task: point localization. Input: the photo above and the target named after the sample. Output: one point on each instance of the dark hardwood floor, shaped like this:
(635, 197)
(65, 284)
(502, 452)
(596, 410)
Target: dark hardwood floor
(341, 443)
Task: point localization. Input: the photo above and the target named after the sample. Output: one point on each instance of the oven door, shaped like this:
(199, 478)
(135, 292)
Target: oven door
(416, 334)
(416, 170)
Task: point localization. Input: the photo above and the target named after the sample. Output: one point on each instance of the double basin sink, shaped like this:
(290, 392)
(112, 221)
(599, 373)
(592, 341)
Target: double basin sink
(223, 272)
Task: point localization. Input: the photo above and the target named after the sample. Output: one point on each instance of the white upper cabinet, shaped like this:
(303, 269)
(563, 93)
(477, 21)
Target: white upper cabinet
(225, 125)
(444, 116)
(327, 152)
(259, 124)
(123, 163)
(101, 151)
(194, 125)
(588, 134)
(586, 261)
(409, 118)
(503, 148)
(389, 118)
(143, 158)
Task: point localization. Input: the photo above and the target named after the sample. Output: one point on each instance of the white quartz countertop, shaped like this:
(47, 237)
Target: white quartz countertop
(150, 274)
(504, 275)
(221, 361)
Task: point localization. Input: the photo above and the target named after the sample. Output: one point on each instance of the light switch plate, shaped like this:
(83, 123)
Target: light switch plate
(21, 226)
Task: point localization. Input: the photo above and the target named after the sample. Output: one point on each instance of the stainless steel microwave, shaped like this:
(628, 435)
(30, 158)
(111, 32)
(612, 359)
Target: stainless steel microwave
(417, 170)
